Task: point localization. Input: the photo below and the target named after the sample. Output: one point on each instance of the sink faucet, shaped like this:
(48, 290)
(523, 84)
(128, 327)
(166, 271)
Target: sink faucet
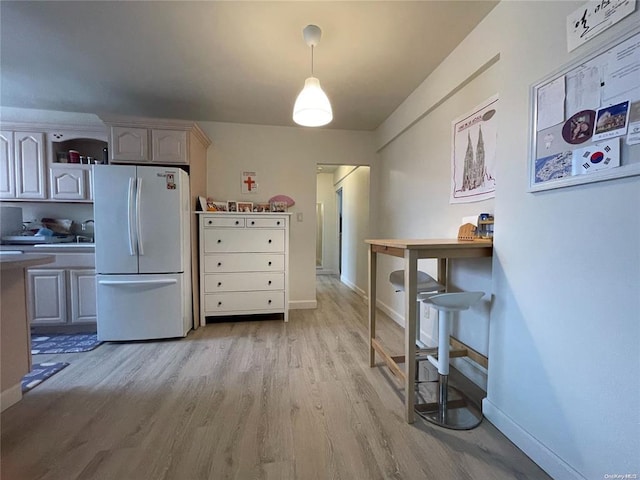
(83, 227)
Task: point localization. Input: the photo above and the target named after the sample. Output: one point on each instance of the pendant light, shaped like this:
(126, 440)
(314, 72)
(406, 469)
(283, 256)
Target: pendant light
(312, 107)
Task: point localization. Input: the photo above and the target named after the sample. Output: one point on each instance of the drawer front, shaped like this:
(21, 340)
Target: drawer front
(230, 222)
(243, 262)
(238, 282)
(234, 302)
(278, 222)
(243, 240)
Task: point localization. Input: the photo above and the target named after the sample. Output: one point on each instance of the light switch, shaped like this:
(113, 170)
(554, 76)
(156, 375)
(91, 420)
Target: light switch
(299, 216)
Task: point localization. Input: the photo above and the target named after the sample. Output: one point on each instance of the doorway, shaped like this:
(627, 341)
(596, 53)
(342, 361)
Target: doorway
(343, 191)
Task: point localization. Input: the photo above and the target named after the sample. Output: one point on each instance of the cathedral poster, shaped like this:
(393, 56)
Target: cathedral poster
(473, 153)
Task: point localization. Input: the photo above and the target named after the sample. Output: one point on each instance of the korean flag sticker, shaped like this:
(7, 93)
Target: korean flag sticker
(593, 158)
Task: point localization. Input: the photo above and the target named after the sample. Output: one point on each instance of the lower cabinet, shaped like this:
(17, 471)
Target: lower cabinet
(61, 297)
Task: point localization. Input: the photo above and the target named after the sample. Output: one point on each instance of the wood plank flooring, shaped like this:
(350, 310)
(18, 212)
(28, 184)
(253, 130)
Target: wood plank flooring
(243, 400)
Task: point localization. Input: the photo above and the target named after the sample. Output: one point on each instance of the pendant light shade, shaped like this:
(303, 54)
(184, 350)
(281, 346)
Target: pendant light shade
(312, 107)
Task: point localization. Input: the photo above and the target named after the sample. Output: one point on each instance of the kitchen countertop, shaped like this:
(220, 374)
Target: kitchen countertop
(22, 260)
(52, 248)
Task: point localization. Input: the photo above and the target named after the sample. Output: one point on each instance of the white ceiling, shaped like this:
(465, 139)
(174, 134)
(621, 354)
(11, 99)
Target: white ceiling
(228, 61)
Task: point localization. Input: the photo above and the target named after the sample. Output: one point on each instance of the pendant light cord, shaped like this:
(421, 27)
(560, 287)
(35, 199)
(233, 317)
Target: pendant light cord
(312, 60)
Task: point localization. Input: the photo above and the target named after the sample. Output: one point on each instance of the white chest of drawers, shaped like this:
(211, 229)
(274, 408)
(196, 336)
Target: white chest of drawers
(244, 264)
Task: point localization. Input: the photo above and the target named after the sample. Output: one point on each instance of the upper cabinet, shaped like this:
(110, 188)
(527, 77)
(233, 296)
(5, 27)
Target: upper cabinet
(38, 163)
(22, 165)
(153, 141)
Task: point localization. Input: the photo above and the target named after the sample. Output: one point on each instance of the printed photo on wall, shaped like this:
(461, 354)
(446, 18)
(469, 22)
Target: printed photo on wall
(473, 152)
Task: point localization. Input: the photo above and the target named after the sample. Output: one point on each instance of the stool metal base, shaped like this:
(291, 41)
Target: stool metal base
(459, 413)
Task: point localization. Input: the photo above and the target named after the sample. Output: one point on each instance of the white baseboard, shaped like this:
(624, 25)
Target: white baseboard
(10, 396)
(323, 271)
(353, 287)
(303, 304)
(539, 453)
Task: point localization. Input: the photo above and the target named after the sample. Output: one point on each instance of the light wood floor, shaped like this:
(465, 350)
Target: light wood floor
(243, 400)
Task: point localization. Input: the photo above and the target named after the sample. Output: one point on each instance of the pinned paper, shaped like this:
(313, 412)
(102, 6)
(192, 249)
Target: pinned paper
(600, 156)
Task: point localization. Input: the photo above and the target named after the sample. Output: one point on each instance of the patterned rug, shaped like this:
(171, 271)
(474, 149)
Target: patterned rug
(63, 343)
(39, 373)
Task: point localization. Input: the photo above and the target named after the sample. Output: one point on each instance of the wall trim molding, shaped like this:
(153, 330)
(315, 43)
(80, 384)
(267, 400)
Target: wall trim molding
(303, 304)
(539, 453)
(353, 287)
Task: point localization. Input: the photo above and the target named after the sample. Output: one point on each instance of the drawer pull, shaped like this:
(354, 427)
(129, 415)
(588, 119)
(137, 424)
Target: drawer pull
(219, 264)
(209, 222)
(269, 302)
(269, 263)
(219, 241)
(278, 222)
(237, 222)
(269, 282)
(219, 304)
(269, 240)
(253, 222)
(219, 284)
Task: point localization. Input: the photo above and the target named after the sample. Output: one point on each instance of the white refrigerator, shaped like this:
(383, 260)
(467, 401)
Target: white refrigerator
(142, 237)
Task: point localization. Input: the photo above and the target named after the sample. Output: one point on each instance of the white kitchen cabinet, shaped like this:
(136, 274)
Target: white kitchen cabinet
(82, 296)
(129, 145)
(47, 298)
(7, 165)
(22, 166)
(169, 146)
(149, 145)
(244, 264)
(63, 294)
(68, 182)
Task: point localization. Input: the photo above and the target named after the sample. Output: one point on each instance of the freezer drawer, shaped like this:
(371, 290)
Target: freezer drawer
(243, 262)
(239, 282)
(238, 303)
(141, 307)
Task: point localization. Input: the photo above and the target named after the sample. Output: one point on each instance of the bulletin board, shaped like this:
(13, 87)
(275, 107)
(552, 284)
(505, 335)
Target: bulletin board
(585, 118)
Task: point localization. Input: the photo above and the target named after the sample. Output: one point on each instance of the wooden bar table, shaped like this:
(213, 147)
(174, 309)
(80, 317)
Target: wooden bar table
(15, 337)
(412, 250)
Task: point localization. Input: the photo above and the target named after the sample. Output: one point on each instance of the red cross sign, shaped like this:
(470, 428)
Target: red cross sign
(249, 182)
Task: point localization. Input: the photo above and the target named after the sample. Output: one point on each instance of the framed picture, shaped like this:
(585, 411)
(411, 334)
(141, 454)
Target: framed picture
(232, 206)
(245, 207)
(262, 207)
(213, 206)
(279, 206)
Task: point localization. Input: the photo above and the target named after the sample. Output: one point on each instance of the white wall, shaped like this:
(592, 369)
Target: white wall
(285, 160)
(564, 363)
(354, 182)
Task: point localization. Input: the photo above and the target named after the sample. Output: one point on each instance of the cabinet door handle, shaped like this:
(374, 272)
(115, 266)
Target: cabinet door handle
(219, 284)
(237, 222)
(269, 263)
(253, 222)
(209, 222)
(278, 222)
(219, 264)
(219, 304)
(219, 241)
(269, 240)
(269, 282)
(269, 302)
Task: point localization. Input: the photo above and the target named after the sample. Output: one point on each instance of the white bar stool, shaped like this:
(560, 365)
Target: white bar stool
(425, 284)
(462, 413)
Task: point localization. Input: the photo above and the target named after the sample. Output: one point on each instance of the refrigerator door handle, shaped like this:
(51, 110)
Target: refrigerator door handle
(138, 216)
(169, 281)
(130, 219)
